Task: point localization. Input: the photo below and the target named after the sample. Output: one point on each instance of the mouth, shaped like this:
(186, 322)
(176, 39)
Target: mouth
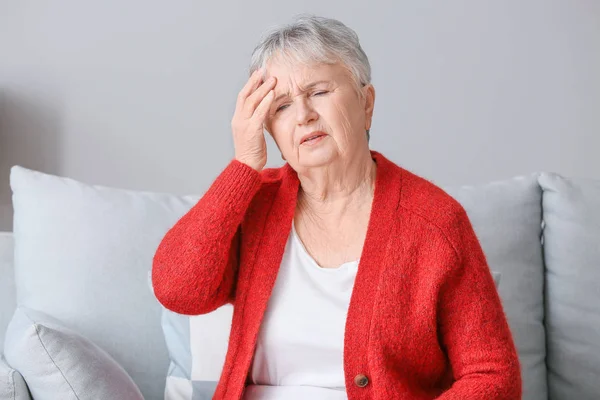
(313, 137)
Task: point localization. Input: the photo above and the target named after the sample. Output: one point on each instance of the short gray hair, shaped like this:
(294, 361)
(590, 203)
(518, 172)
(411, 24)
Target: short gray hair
(313, 39)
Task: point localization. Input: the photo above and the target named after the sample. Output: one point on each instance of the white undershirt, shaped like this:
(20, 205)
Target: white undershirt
(299, 352)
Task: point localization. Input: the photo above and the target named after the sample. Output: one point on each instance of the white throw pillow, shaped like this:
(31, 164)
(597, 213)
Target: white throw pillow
(197, 354)
(12, 385)
(58, 363)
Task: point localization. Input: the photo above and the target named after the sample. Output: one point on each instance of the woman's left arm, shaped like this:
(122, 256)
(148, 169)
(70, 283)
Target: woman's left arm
(473, 326)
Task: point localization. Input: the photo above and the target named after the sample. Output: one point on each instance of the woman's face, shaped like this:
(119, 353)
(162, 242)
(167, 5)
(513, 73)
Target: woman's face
(323, 99)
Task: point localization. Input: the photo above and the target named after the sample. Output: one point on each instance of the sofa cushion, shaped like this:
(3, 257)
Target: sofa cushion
(506, 216)
(572, 256)
(82, 254)
(12, 384)
(58, 363)
(7, 283)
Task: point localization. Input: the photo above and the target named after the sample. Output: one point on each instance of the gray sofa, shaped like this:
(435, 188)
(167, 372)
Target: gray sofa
(541, 232)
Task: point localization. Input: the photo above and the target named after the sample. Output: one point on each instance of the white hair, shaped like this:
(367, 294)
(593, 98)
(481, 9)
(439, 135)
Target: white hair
(312, 40)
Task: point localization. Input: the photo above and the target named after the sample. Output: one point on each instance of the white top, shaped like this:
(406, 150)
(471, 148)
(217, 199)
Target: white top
(299, 353)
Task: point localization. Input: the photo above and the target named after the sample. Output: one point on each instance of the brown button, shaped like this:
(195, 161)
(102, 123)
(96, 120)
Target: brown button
(361, 380)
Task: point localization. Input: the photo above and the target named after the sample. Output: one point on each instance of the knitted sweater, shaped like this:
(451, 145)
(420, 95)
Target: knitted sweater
(425, 320)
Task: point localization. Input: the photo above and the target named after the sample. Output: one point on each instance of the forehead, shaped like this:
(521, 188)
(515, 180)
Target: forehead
(299, 74)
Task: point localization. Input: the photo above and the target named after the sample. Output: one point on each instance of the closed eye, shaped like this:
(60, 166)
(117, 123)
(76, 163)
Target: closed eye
(283, 107)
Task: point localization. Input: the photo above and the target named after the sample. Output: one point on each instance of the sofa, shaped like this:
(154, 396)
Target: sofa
(79, 256)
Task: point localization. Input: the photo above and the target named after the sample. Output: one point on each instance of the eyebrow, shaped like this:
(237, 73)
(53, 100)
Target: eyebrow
(307, 87)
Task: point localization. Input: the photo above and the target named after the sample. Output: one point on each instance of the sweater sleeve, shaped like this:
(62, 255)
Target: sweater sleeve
(473, 326)
(195, 267)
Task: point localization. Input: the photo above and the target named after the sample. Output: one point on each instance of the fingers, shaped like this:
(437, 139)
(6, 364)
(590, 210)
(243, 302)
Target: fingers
(257, 97)
(249, 87)
(263, 108)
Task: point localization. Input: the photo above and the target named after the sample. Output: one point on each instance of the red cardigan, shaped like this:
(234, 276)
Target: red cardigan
(425, 320)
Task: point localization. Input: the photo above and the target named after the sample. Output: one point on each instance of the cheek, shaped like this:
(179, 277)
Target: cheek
(282, 132)
(341, 119)
(337, 108)
(350, 112)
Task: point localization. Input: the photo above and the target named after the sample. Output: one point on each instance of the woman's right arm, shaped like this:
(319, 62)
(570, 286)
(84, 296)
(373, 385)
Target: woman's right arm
(195, 266)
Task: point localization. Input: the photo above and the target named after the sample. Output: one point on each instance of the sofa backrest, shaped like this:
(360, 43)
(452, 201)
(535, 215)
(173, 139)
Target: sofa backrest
(7, 283)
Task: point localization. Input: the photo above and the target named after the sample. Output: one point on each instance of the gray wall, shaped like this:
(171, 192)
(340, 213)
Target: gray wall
(140, 94)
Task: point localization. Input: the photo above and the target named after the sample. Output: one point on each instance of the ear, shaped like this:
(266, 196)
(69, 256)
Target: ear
(369, 103)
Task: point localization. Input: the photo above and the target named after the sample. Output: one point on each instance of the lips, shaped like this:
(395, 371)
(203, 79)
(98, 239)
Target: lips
(311, 136)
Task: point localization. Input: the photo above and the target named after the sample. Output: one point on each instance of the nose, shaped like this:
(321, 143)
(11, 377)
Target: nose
(305, 113)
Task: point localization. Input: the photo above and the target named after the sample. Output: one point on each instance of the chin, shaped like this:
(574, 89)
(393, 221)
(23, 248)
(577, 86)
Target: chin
(317, 157)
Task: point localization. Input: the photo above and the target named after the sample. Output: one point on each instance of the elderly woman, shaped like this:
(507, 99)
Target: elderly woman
(350, 276)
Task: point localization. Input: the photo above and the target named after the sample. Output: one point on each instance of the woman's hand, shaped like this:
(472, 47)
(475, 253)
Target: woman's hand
(253, 104)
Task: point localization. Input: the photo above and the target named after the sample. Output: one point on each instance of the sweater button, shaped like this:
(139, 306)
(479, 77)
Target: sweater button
(361, 380)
